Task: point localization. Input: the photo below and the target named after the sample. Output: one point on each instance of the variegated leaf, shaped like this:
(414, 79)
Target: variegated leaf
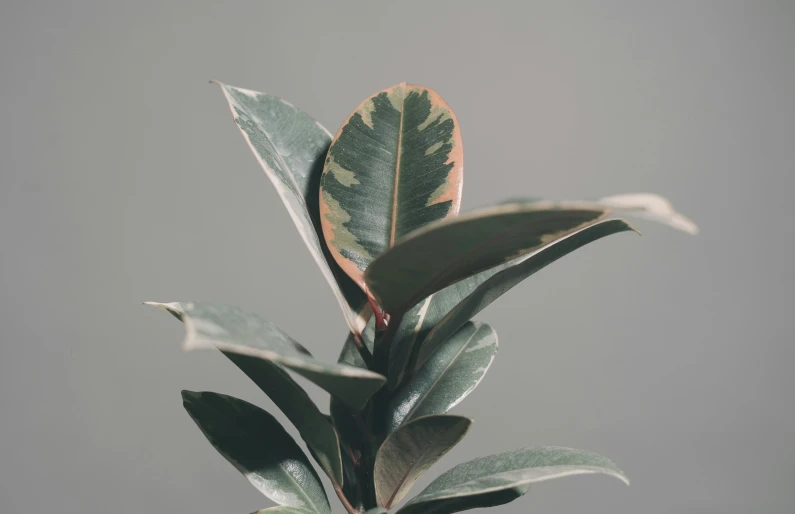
(314, 427)
(257, 445)
(447, 251)
(501, 478)
(452, 372)
(508, 276)
(410, 451)
(291, 146)
(394, 166)
(233, 330)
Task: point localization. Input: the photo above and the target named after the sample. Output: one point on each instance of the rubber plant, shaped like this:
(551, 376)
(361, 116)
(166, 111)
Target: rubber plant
(377, 205)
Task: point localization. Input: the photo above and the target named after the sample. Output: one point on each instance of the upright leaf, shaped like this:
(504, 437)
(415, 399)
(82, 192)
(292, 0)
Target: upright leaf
(314, 427)
(290, 146)
(447, 377)
(447, 251)
(257, 445)
(410, 451)
(395, 165)
(501, 478)
(232, 330)
(509, 276)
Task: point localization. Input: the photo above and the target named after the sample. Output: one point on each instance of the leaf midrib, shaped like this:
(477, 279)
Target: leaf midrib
(397, 166)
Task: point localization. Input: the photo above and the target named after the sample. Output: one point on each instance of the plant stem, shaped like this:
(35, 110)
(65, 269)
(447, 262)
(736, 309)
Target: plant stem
(367, 357)
(345, 503)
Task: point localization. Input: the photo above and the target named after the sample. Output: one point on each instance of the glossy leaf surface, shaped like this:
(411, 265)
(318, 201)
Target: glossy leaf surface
(257, 445)
(314, 427)
(410, 451)
(291, 147)
(233, 330)
(507, 277)
(395, 165)
(445, 252)
(500, 478)
(448, 376)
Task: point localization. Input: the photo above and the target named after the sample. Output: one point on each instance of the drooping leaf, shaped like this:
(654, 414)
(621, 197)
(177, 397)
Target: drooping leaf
(291, 146)
(447, 251)
(509, 276)
(410, 451)
(257, 445)
(315, 429)
(233, 330)
(498, 479)
(447, 377)
(395, 165)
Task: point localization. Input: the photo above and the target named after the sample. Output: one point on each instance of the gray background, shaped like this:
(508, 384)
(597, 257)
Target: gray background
(123, 179)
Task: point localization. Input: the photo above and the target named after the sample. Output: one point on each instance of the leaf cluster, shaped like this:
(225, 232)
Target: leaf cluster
(378, 208)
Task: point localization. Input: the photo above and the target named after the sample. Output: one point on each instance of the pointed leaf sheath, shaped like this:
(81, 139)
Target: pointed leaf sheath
(290, 146)
(512, 274)
(314, 427)
(232, 330)
(501, 478)
(447, 251)
(410, 451)
(394, 166)
(256, 444)
(447, 377)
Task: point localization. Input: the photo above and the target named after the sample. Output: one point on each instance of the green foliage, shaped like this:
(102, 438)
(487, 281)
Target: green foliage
(377, 206)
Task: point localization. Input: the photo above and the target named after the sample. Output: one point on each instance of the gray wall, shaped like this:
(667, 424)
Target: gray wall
(123, 179)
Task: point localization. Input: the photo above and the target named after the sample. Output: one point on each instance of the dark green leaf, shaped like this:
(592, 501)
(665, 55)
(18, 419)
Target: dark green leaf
(500, 478)
(257, 445)
(410, 451)
(447, 377)
(291, 146)
(447, 251)
(498, 284)
(314, 427)
(395, 165)
(232, 330)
